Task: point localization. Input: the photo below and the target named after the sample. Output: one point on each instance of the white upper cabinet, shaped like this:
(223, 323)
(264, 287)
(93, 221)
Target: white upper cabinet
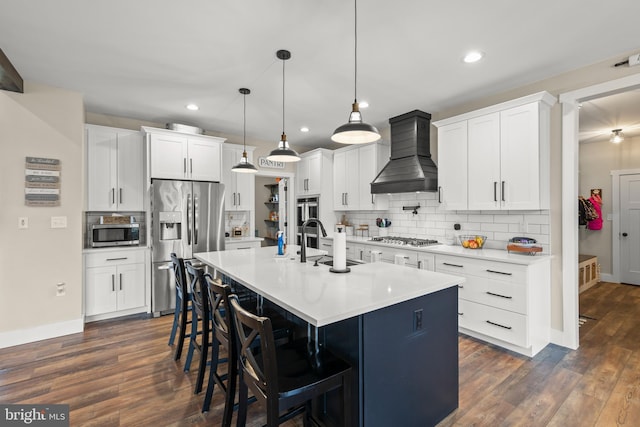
(239, 187)
(500, 154)
(176, 155)
(354, 168)
(314, 172)
(452, 166)
(114, 169)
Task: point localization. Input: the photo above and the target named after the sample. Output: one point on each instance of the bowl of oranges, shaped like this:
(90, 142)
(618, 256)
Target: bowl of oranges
(472, 241)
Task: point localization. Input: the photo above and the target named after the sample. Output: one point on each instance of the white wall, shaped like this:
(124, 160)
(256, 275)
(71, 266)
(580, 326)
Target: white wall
(597, 160)
(42, 122)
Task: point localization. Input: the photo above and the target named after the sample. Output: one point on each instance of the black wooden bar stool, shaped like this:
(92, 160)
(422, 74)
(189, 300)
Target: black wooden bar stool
(200, 338)
(282, 378)
(182, 311)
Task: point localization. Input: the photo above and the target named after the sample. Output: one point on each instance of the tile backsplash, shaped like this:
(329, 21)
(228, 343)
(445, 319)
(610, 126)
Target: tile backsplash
(431, 222)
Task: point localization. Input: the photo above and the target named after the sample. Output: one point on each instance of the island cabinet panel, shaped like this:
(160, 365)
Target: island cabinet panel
(414, 382)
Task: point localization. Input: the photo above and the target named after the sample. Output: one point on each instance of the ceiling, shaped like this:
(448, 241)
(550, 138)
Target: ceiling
(598, 117)
(147, 59)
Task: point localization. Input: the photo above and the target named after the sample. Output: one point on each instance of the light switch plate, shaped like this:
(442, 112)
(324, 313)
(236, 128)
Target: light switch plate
(58, 222)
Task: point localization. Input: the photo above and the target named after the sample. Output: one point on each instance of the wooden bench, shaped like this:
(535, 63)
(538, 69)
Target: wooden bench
(587, 272)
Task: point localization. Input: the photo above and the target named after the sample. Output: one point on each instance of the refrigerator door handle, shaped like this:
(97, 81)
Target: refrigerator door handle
(189, 217)
(196, 219)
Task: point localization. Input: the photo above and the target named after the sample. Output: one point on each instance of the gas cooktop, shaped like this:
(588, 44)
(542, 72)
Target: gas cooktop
(404, 241)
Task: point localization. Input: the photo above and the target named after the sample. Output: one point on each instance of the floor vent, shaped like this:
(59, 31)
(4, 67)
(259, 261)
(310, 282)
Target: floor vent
(583, 319)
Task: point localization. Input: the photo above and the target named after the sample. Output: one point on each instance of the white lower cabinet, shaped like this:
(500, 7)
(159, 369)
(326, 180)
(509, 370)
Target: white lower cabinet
(115, 283)
(503, 303)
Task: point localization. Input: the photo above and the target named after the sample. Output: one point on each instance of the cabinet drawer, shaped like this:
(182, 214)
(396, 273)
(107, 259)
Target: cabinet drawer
(105, 259)
(477, 267)
(501, 324)
(495, 293)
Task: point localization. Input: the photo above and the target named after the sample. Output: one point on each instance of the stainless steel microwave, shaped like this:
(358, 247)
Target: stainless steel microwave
(103, 235)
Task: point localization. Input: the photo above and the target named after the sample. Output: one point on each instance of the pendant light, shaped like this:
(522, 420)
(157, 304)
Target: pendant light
(616, 136)
(244, 166)
(283, 153)
(355, 131)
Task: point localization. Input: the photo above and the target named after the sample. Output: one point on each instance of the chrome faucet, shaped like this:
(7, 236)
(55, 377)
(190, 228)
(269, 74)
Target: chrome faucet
(303, 246)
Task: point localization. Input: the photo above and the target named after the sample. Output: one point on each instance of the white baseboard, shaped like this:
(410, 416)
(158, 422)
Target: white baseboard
(607, 278)
(38, 333)
(558, 338)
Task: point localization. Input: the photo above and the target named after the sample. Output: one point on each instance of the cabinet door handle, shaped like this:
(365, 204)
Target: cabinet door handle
(439, 194)
(113, 283)
(498, 295)
(495, 191)
(120, 280)
(190, 166)
(372, 202)
(346, 199)
(419, 265)
(500, 272)
(116, 259)
(239, 202)
(234, 199)
(184, 166)
(120, 195)
(453, 265)
(113, 195)
(325, 244)
(498, 324)
(502, 192)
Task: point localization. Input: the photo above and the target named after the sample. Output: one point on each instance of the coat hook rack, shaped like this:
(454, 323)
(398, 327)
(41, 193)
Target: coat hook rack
(412, 208)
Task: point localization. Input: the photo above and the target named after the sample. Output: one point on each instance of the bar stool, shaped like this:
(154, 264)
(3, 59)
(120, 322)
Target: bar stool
(222, 336)
(282, 378)
(181, 314)
(200, 339)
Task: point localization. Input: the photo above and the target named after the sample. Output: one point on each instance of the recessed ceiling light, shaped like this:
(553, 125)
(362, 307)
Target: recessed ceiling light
(192, 107)
(473, 56)
(364, 104)
(304, 129)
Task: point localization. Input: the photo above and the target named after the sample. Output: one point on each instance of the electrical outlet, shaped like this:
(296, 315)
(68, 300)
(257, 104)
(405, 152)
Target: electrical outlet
(60, 289)
(23, 222)
(417, 320)
(58, 222)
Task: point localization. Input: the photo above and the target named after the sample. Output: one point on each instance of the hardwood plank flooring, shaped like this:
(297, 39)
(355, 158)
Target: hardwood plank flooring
(121, 373)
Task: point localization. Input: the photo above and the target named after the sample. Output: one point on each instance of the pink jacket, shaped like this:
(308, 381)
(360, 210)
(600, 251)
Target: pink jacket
(596, 224)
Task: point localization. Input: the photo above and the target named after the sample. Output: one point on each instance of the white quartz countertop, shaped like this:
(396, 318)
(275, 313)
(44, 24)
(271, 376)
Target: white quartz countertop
(487, 254)
(317, 295)
(243, 239)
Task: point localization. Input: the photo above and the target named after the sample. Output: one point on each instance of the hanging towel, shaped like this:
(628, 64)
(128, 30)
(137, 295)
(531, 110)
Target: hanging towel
(596, 224)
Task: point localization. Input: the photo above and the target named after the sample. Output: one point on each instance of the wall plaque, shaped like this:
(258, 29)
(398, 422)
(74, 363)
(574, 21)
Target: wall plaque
(42, 182)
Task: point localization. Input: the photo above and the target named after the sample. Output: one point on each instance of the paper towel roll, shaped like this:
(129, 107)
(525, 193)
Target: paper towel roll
(340, 249)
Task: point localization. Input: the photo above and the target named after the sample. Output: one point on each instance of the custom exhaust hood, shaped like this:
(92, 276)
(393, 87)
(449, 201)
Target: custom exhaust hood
(410, 167)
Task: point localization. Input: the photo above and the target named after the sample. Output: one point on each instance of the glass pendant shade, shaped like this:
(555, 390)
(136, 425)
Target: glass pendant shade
(355, 131)
(283, 153)
(616, 136)
(244, 166)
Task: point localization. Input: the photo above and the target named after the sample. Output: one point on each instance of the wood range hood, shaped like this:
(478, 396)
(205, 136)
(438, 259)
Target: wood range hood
(9, 77)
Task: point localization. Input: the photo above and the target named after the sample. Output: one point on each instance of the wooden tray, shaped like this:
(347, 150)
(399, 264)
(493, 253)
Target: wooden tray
(116, 219)
(531, 250)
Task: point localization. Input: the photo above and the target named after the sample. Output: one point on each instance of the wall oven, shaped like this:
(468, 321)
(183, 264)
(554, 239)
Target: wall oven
(306, 208)
(105, 235)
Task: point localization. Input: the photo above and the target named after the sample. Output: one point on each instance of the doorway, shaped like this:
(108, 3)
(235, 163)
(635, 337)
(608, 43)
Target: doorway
(570, 148)
(273, 206)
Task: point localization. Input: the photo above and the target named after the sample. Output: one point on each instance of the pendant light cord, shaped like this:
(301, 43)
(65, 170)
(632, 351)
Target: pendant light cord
(355, 53)
(244, 124)
(283, 96)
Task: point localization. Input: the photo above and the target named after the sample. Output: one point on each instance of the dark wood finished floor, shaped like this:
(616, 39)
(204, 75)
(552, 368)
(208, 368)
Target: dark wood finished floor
(121, 373)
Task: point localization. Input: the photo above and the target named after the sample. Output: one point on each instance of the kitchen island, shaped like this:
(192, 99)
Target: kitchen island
(397, 326)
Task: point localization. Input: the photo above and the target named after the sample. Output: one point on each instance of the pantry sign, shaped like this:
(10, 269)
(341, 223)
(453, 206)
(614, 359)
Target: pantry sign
(42, 182)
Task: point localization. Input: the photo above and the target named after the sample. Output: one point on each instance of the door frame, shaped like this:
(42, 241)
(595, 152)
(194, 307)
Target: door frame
(570, 150)
(291, 213)
(615, 232)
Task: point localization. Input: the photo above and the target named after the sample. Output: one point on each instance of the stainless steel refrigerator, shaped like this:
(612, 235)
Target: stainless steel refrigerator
(186, 218)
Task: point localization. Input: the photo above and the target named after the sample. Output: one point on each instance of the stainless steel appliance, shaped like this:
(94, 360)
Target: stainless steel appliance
(105, 235)
(306, 208)
(187, 217)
